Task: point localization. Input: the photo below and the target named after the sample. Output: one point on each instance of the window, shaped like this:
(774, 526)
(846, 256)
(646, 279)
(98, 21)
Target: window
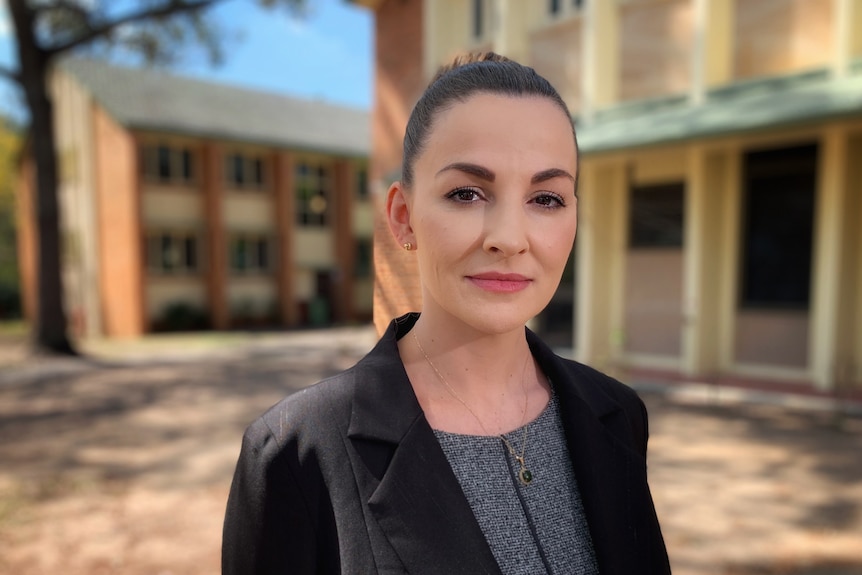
(167, 164)
(559, 8)
(250, 253)
(779, 227)
(478, 19)
(364, 258)
(172, 252)
(313, 191)
(362, 183)
(243, 171)
(656, 216)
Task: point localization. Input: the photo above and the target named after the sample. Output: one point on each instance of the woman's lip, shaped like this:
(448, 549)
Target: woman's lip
(500, 283)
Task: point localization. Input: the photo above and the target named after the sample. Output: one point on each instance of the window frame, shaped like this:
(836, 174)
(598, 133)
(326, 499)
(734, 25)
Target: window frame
(245, 171)
(189, 262)
(252, 244)
(168, 163)
(750, 297)
(309, 185)
(639, 236)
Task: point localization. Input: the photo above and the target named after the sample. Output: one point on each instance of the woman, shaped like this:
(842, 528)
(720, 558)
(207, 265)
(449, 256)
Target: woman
(461, 443)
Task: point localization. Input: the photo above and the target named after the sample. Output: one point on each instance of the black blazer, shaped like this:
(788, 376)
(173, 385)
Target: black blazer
(347, 477)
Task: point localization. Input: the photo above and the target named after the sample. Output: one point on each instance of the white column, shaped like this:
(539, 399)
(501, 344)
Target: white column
(844, 19)
(704, 220)
(729, 262)
(828, 248)
(712, 41)
(600, 37)
(601, 248)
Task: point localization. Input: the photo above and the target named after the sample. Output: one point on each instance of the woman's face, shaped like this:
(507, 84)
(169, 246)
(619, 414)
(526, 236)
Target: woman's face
(492, 210)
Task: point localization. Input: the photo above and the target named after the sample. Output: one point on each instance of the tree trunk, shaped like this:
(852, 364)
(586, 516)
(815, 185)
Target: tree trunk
(49, 331)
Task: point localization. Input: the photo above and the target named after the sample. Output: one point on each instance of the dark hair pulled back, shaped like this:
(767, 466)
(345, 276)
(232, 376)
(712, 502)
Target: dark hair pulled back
(466, 76)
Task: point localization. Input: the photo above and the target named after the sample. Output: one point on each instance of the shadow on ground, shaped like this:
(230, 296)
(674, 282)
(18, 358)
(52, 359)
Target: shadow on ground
(124, 467)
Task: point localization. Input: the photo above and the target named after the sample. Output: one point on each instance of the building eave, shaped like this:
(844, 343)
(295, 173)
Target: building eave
(757, 105)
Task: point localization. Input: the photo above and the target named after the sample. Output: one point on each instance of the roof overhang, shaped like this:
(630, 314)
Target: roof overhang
(756, 105)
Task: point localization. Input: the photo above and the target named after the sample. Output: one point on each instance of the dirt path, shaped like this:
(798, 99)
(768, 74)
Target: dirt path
(110, 469)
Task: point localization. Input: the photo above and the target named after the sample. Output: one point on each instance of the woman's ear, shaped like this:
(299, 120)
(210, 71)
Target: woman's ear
(398, 215)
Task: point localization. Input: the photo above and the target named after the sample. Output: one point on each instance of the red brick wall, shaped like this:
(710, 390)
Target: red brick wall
(121, 266)
(215, 241)
(398, 83)
(282, 188)
(344, 240)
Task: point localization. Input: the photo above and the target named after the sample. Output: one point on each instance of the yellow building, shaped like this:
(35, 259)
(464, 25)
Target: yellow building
(721, 179)
(187, 204)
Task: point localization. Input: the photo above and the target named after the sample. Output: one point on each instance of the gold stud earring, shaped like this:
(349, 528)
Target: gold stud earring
(408, 246)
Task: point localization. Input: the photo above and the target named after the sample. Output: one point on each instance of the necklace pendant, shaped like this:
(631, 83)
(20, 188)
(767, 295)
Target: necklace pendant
(525, 476)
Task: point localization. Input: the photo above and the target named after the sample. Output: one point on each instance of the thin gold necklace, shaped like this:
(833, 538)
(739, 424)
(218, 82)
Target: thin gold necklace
(525, 476)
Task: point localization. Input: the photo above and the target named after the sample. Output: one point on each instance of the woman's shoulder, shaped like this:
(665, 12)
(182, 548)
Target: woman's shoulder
(313, 411)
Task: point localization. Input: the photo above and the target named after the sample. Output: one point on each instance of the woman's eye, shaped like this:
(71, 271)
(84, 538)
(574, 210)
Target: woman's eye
(548, 200)
(464, 195)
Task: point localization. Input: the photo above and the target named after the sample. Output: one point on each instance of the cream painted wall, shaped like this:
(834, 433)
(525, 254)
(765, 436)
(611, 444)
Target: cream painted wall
(658, 165)
(363, 295)
(655, 48)
(448, 31)
(172, 207)
(164, 291)
(248, 210)
(363, 219)
(772, 338)
(255, 296)
(653, 302)
(304, 283)
(555, 52)
(782, 36)
(314, 247)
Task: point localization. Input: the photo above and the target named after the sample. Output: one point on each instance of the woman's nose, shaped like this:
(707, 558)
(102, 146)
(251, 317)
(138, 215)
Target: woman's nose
(506, 230)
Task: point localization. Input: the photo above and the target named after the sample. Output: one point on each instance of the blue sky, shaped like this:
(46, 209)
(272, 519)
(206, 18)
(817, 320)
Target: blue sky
(327, 54)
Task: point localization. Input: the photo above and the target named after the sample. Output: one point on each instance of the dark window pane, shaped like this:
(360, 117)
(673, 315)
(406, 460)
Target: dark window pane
(239, 254)
(656, 216)
(258, 172)
(779, 227)
(263, 254)
(187, 165)
(478, 15)
(363, 258)
(167, 255)
(554, 7)
(191, 253)
(238, 169)
(164, 163)
(362, 184)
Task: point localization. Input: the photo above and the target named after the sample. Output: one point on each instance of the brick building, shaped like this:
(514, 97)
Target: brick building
(721, 178)
(189, 204)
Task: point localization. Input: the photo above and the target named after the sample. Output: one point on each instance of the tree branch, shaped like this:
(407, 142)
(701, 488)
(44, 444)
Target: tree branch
(169, 8)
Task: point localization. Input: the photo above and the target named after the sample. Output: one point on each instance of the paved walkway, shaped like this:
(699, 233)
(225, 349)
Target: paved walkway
(121, 463)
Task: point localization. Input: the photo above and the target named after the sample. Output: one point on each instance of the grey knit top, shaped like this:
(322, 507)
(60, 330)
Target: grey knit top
(535, 528)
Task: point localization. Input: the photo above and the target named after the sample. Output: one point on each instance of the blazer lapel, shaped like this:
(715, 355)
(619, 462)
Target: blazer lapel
(610, 474)
(407, 482)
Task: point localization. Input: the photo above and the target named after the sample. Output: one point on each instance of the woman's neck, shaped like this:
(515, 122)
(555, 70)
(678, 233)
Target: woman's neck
(472, 382)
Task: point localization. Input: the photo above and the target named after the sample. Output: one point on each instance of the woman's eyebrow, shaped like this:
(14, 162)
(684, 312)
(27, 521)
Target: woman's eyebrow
(550, 174)
(472, 169)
